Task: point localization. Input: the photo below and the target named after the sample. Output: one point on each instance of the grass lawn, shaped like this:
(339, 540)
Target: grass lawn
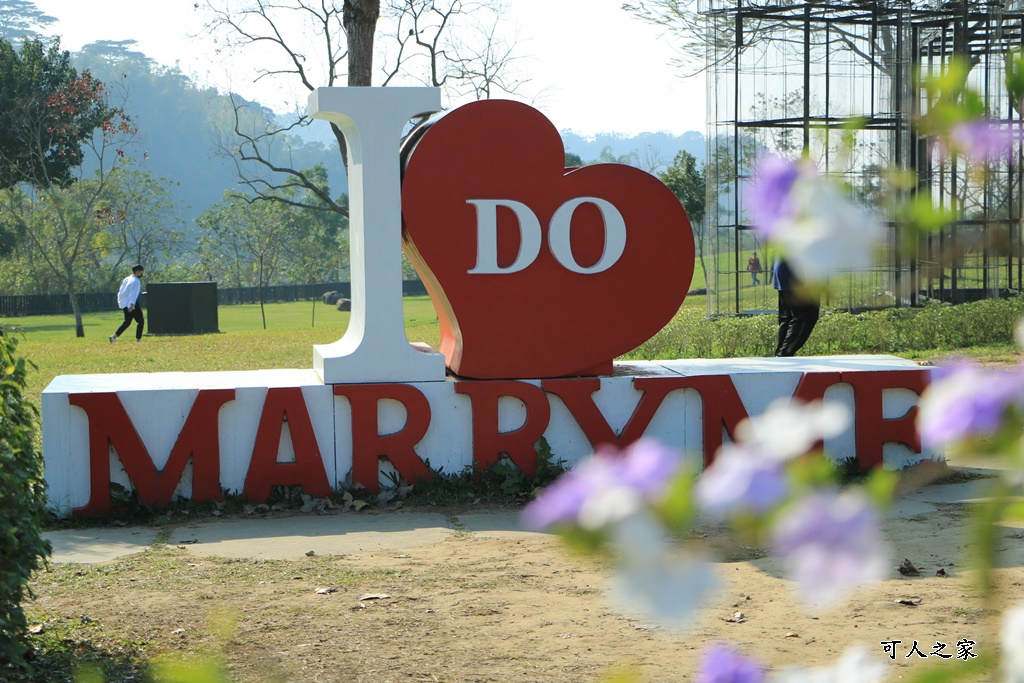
(292, 329)
(242, 344)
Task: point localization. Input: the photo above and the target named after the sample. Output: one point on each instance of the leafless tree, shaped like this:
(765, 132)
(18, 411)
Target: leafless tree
(452, 44)
(688, 24)
(325, 43)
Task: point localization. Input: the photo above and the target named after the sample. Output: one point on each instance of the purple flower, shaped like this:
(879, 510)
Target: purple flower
(721, 664)
(604, 487)
(983, 141)
(830, 545)
(741, 479)
(770, 194)
(645, 466)
(963, 401)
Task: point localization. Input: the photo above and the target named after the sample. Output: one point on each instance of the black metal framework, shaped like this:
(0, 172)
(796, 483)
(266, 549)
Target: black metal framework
(838, 81)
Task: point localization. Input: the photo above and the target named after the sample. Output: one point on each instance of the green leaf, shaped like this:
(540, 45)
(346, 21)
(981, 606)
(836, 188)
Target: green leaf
(880, 487)
(1015, 76)
(173, 670)
(677, 508)
(921, 213)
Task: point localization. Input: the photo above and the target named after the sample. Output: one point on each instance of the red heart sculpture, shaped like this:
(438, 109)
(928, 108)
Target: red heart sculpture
(611, 247)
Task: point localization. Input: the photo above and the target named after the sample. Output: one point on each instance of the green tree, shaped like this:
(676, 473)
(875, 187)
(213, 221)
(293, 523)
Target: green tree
(143, 221)
(67, 226)
(688, 183)
(312, 254)
(318, 243)
(245, 241)
(608, 157)
(248, 242)
(47, 112)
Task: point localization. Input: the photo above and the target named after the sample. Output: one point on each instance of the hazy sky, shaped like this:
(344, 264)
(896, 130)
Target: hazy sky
(592, 67)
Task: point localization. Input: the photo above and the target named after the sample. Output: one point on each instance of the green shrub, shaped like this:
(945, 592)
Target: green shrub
(22, 501)
(894, 330)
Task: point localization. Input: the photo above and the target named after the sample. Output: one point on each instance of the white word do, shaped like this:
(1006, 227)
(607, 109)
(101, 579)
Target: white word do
(531, 236)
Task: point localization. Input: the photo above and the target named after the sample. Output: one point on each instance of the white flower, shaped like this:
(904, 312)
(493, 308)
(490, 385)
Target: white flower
(1011, 637)
(790, 428)
(608, 506)
(828, 233)
(856, 665)
(654, 579)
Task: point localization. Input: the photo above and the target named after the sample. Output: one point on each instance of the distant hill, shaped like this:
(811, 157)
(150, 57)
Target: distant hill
(185, 130)
(648, 147)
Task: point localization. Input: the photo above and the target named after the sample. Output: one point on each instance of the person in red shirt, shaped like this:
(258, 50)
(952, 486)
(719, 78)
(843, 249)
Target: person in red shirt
(754, 266)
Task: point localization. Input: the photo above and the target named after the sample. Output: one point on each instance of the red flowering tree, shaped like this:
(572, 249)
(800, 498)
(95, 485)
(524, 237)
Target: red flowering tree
(47, 111)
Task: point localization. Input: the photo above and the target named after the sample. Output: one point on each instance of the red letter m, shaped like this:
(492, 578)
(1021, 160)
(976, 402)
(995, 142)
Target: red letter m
(109, 425)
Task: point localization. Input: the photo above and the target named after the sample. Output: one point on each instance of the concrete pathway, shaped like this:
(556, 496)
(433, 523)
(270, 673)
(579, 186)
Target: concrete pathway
(293, 535)
(288, 536)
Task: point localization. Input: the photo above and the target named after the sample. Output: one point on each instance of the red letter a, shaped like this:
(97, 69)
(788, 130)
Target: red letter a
(285, 404)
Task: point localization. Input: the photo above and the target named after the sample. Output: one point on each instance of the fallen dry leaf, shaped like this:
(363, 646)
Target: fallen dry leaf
(373, 596)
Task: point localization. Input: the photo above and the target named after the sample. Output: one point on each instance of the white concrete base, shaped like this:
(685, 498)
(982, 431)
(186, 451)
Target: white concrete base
(253, 430)
(348, 360)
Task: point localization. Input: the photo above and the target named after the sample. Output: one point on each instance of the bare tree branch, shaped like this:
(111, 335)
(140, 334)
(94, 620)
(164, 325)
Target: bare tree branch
(441, 43)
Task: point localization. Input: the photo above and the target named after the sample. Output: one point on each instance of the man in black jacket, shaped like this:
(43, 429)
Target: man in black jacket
(798, 310)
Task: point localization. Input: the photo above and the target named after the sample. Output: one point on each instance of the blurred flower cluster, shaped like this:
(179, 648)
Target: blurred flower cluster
(772, 484)
(638, 505)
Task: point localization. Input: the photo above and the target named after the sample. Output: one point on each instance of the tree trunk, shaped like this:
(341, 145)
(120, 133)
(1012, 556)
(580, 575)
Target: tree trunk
(360, 21)
(79, 327)
(699, 240)
(263, 313)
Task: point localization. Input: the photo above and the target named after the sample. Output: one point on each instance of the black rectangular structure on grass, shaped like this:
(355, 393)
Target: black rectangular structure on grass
(182, 307)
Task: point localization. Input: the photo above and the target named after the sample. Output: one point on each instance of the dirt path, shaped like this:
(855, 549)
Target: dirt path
(474, 608)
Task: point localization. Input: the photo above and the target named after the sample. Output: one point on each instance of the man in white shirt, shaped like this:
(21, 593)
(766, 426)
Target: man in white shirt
(128, 301)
